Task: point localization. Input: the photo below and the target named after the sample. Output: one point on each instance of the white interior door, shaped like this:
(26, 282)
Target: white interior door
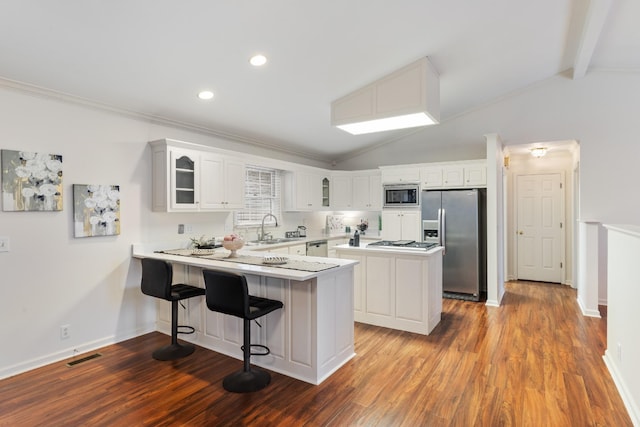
(540, 222)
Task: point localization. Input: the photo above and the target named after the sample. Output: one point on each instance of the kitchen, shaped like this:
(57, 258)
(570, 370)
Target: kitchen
(98, 294)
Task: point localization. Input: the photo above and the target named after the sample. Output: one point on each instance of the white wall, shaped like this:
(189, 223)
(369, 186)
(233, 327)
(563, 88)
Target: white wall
(50, 278)
(599, 111)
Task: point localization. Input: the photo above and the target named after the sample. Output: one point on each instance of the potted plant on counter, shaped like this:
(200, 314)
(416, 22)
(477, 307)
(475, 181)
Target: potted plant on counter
(203, 242)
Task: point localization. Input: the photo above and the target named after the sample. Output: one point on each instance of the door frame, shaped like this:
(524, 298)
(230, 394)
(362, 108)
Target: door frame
(563, 216)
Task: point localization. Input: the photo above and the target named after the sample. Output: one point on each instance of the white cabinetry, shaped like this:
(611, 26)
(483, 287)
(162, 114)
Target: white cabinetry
(298, 250)
(431, 177)
(222, 182)
(331, 246)
(394, 290)
(394, 175)
(401, 225)
(191, 180)
(342, 191)
(457, 175)
(367, 191)
(475, 175)
(361, 191)
(452, 176)
(304, 190)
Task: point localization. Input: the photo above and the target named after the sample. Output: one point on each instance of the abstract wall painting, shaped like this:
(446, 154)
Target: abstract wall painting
(96, 210)
(31, 181)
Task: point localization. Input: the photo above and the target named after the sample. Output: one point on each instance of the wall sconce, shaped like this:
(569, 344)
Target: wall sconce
(538, 152)
(407, 98)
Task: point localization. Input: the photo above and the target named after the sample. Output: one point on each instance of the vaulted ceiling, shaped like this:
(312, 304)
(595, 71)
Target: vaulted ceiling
(152, 57)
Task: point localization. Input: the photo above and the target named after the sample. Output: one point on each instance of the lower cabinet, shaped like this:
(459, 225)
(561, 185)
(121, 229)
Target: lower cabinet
(397, 291)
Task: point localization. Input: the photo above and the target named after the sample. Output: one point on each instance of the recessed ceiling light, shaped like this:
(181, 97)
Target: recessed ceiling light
(258, 60)
(205, 94)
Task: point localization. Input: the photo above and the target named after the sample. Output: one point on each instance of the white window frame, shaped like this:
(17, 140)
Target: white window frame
(263, 195)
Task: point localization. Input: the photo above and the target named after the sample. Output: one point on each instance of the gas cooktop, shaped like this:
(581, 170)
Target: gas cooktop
(403, 244)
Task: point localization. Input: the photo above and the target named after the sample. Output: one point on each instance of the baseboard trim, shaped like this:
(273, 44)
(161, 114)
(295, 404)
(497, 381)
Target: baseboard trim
(618, 380)
(588, 312)
(67, 353)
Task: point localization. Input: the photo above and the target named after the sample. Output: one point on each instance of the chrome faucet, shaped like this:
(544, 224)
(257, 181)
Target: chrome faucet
(262, 235)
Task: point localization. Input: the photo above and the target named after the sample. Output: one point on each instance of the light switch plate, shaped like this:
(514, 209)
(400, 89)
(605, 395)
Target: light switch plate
(4, 244)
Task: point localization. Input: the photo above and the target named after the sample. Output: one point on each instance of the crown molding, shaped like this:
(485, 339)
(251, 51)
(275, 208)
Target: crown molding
(155, 119)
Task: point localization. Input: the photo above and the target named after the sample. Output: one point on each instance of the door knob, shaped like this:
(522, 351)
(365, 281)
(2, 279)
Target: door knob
(520, 232)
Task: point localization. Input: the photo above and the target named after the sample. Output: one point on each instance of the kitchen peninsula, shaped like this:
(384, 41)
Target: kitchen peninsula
(396, 287)
(309, 339)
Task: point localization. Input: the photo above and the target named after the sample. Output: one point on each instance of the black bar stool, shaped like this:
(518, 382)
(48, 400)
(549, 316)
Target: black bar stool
(228, 293)
(157, 278)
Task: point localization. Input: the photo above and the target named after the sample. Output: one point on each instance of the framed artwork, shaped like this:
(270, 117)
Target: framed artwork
(96, 210)
(31, 181)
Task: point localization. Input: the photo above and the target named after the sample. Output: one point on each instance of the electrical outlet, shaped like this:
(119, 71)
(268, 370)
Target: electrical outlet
(188, 228)
(64, 332)
(620, 352)
(4, 244)
(180, 228)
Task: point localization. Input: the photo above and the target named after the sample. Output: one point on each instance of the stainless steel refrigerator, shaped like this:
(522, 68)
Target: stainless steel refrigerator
(456, 219)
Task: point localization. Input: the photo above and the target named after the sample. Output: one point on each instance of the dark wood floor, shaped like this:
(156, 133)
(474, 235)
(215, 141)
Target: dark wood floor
(535, 361)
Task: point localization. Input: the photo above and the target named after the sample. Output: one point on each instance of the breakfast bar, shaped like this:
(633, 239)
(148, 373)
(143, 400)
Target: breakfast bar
(309, 339)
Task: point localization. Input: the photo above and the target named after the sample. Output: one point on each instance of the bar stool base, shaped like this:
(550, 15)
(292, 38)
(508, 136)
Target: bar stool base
(246, 381)
(173, 352)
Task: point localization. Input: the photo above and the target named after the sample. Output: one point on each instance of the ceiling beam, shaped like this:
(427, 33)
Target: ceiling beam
(594, 21)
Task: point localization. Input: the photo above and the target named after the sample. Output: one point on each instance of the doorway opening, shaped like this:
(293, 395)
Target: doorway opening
(541, 212)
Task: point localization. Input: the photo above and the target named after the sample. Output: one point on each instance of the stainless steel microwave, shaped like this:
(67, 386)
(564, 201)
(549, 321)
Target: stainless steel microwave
(401, 195)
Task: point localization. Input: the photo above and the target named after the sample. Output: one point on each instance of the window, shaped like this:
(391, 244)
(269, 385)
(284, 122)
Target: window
(262, 196)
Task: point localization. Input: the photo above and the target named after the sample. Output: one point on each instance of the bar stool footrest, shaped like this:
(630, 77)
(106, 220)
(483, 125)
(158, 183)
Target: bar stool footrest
(265, 349)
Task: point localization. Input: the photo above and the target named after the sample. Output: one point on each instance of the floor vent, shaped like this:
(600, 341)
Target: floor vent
(83, 359)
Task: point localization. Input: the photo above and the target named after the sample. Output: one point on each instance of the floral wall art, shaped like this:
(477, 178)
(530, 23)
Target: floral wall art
(31, 181)
(96, 210)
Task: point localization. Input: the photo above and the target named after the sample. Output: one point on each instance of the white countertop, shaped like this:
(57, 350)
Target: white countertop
(390, 250)
(148, 251)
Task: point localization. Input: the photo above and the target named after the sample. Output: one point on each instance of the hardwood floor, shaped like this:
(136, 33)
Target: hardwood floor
(535, 361)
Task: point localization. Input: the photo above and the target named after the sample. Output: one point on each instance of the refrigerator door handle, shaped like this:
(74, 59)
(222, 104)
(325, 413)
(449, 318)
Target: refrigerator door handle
(441, 235)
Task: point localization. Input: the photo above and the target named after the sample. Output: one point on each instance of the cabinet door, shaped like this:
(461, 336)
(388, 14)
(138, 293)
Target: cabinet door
(184, 180)
(411, 227)
(453, 176)
(431, 177)
(234, 178)
(308, 190)
(401, 174)
(361, 192)
(221, 183)
(298, 250)
(475, 175)
(212, 182)
(391, 225)
(375, 192)
(342, 192)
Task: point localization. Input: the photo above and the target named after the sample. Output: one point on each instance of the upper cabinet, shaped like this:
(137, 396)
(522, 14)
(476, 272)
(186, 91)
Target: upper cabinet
(191, 180)
(400, 174)
(222, 182)
(367, 191)
(356, 191)
(458, 175)
(304, 190)
(342, 191)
